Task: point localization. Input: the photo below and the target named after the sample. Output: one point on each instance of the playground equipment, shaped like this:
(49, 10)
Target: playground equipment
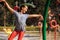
(45, 16)
(54, 25)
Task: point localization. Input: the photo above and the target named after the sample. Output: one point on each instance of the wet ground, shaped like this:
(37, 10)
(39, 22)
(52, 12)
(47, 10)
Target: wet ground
(27, 36)
(32, 36)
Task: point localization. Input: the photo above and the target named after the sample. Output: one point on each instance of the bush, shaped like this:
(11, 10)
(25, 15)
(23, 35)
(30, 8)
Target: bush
(28, 28)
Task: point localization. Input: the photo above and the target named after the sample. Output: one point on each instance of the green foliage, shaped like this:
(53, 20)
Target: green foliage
(40, 5)
(28, 28)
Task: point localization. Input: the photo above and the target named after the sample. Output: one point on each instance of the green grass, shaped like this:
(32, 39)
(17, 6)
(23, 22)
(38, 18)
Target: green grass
(28, 28)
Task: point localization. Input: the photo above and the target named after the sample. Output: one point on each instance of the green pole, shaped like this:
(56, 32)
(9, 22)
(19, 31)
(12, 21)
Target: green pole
(45, 16)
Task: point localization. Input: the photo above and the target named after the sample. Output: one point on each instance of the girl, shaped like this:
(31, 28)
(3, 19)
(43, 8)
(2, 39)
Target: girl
(20, 21)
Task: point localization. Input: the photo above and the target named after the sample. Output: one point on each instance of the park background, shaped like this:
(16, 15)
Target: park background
(35, 7)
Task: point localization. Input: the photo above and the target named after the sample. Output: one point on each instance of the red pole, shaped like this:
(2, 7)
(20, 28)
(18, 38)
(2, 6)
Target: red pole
(55, 34)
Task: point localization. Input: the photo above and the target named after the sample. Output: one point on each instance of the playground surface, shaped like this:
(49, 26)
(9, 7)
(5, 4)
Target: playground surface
(27, 36)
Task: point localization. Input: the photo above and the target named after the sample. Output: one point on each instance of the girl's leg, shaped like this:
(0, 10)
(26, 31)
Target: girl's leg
(21, 34)
(14, 33)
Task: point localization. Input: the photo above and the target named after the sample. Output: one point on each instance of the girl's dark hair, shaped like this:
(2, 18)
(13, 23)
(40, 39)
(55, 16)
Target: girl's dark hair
(22, 7)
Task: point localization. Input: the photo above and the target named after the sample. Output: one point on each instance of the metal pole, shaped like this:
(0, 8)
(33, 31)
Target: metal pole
(45, 16)
(55, 33)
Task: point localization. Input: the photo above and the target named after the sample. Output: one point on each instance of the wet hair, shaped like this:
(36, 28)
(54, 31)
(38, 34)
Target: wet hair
(22, 7)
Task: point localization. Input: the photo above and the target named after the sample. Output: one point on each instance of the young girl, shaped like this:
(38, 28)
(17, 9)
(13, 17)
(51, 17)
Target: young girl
(20, 21)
